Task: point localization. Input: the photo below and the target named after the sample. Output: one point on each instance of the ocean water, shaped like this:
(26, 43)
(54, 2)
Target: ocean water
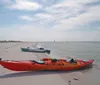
(84, 50)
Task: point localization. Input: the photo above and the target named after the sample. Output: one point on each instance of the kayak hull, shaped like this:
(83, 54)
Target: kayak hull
(34, 66)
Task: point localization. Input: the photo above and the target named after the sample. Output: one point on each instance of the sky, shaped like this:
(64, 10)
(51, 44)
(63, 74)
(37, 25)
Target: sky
(49, 20)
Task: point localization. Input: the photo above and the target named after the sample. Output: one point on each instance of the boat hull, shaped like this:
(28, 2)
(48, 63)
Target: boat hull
(35, 50)
(48, 65)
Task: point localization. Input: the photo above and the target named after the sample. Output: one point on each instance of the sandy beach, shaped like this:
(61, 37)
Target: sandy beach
(11, 51)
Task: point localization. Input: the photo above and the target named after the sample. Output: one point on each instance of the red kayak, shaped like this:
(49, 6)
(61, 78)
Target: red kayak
(44, 64)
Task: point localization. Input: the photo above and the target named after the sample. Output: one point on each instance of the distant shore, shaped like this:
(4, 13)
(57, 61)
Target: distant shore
(5, 41)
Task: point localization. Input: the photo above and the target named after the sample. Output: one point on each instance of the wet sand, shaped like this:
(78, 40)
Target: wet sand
(11, 51)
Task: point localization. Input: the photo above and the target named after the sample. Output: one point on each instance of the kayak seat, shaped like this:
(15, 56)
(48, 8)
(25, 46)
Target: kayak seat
(71, 61)
(54, 60)
(39, 62)
(59, 63)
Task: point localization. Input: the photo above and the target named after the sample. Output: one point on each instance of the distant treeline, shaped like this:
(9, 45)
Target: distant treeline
(9, 41)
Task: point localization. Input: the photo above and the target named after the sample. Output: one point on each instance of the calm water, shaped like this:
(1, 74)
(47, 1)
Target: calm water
(84, 50)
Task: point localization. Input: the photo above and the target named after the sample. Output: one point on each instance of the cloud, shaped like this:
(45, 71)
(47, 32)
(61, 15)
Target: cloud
(67, 15)
(43, 15)
(91, 15)
(23, 5)
(41, 19)
(27, 18)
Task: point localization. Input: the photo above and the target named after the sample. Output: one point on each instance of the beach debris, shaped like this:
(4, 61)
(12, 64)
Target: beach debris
(6, 51)
(0, 59)
(69, 82)
(75, 78)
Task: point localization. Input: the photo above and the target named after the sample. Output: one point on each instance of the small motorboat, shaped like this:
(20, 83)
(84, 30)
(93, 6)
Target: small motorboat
(44, 64)
(37, 50)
